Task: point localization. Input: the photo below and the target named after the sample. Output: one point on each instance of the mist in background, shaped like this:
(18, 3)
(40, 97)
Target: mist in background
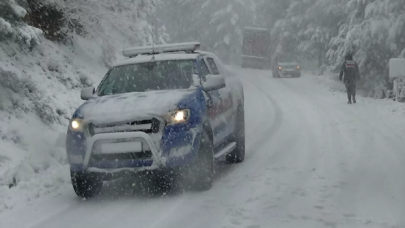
(321, 31)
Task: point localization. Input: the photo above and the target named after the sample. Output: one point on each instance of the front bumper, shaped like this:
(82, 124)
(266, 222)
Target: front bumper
(176, 148)
(289, 72)
(156, 156)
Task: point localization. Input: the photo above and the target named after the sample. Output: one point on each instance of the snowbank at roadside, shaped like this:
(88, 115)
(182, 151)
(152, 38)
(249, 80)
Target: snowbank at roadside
(40, 80)
(39, 90)
(331, 82)
(46, 182)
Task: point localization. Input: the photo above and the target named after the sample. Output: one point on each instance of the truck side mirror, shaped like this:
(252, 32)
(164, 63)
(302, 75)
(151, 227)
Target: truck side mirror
(213, 82)
(87, 93)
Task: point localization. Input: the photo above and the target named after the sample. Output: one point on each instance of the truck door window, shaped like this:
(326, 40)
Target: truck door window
(213, 66)
(204, 69)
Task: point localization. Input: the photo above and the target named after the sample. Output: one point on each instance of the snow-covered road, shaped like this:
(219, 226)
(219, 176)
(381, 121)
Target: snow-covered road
(312, 161)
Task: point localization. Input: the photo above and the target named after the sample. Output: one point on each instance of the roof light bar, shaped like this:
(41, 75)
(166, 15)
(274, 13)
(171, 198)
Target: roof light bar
(149, 50)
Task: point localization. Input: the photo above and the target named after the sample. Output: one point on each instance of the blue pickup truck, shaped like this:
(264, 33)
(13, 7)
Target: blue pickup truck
(167, 108)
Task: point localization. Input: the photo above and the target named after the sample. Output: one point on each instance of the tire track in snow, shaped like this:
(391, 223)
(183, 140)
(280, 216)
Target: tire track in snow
(286, 148)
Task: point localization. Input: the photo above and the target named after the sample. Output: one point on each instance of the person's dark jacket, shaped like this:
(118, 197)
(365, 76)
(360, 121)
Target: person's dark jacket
(350, 71)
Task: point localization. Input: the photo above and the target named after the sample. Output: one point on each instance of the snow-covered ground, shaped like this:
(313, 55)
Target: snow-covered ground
(312, 161)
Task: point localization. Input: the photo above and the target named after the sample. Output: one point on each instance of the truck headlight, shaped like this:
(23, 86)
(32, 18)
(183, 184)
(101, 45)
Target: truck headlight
(76, 125)
(176, 117)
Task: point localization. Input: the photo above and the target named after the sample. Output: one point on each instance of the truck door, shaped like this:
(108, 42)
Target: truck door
(221, 112)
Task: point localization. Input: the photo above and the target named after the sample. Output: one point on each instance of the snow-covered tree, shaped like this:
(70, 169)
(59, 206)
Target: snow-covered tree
(226, 22)
(218, 24)
(111, 25)
(289, 29)
(13, 27)
(323, 18)
(183, 19)
(309, 25)
(375, 32)
(98, 18)
(270, 11)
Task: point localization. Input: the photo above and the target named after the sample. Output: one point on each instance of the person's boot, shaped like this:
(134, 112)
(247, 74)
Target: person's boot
(349, 102)
(354, 100)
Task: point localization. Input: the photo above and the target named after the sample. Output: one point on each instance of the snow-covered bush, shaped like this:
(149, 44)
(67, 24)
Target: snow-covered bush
(13, 27)
(49, 18)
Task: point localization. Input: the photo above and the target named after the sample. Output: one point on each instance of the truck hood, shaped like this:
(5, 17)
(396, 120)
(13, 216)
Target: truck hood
(132, 106)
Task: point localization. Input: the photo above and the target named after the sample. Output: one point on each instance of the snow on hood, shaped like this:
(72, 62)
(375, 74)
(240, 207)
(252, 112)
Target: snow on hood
(132, 106)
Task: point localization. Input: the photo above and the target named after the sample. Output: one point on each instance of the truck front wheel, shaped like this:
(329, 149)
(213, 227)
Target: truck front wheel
(86, 185)
(238, 154)
(199, 175)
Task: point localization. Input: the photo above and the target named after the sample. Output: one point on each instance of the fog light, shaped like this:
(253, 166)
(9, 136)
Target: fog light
(155, 125)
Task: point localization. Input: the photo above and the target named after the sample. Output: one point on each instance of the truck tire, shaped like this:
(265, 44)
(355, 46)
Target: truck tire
(202, 170)
(276, 74)
(238, 154)
(163, 181)
(86, 185)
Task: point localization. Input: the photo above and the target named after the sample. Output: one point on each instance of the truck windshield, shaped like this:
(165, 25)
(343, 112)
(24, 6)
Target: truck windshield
(287, 58)
(141, 77)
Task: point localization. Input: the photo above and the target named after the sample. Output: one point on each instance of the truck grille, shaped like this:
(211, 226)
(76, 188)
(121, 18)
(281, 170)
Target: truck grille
(147, 126)
(120, 160)
(122, 156)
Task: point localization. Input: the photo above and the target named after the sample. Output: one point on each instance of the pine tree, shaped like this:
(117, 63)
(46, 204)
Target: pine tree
(185, 20)
(225, 30)
(270, 11)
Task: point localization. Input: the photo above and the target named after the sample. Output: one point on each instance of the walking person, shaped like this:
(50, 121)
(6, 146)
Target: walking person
(351, 75)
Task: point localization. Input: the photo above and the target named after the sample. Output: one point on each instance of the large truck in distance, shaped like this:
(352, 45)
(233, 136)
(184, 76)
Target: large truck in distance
(256, 48)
